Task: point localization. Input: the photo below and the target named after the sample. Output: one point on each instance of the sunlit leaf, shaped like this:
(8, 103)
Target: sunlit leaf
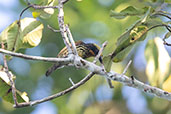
(158, 62)
(36, 14)
(32, 33)
(151, 55)
(28, 35)
(167, 85)
(6, 91)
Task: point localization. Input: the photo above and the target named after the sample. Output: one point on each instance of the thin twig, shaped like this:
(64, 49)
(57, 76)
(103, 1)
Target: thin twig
(163, 14)
(161, 25)
(110, 83)
(71, 40)
(126, 68)
(100, 52)
(96, 59)
(31, 103)
(64, 1)
(35, 7)
(71, 81)
(10, 78)
(62, 26)
(165, 43)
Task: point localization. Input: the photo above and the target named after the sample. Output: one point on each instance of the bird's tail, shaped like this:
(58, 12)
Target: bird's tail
(52, 68)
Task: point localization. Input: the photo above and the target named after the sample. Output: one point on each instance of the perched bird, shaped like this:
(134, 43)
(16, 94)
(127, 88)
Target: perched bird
(85, 50)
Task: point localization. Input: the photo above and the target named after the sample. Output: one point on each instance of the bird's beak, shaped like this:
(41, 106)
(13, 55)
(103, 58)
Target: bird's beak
(100, 59)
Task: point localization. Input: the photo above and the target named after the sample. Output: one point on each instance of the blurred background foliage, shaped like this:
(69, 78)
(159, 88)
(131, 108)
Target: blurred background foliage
(89, 21)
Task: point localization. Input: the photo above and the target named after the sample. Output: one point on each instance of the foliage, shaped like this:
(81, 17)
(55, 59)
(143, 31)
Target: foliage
(129, 23)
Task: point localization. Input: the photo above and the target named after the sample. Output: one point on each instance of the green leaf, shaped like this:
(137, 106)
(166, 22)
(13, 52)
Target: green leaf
(129, 11)
(107, 63)
(137, 32)
(158, 62)
(28, 35)
(151, 22)
(13, 37)
(127, 40)
(167, 35)
(40, 2)
(6, 91)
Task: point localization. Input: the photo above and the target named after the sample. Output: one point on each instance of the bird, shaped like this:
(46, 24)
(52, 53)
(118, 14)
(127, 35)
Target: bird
(84, 50)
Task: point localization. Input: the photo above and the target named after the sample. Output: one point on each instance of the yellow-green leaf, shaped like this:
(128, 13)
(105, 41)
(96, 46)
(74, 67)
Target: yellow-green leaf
(6, 91)
(127, 40)
(28, 35)
(32, 32)
(158, 62)
(167, 85)
(35, 14)
(107, 61)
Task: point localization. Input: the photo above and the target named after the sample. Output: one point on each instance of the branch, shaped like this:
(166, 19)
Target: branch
(161, 13)
(139, 85)
(71, 40)
(35, 6)
(74, 86)
(124, 79)
(100, 52)
(74, 59)
(31, 103)
(10, 78)
(111, 75)
(62, 26)
(29, 57)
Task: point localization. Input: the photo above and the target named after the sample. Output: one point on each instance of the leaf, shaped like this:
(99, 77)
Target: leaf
(158, 62)
(153, 22)
(26, 36)
(44, 13)
(32, 34)
(137, 32)
(127, 40)
(13, 37)
(167, 84)
(167, 35)
(129, 11)
(107, 63)
(35, 14)
(40, 2)
(6, 91)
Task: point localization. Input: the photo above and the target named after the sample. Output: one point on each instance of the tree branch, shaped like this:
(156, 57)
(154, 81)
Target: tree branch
(29, 57)
(62, 26)
(10, 78)
(31, 103)
(117, 77)
(74, 59)
(71, 40)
